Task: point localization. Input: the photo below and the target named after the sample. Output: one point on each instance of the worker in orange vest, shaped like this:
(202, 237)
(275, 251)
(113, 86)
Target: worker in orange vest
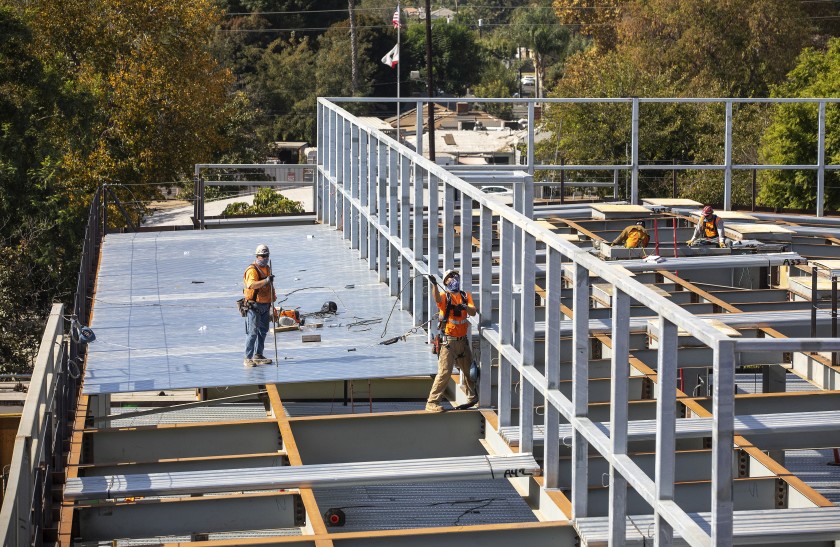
(259, 295)
(709, 228)
(456, 306)
(633, 237)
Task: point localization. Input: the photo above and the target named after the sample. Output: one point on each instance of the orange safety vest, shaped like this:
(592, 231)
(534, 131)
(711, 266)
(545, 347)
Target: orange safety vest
(262, 295)
(457, 324)
(710, 227)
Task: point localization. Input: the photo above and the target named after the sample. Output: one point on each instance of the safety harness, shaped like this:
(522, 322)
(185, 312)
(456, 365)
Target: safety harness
(438, 340)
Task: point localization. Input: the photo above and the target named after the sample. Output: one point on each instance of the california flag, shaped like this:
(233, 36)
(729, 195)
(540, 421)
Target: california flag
(392, 57)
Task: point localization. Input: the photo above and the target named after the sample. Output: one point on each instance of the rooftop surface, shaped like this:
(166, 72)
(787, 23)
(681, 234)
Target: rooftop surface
(166, 317)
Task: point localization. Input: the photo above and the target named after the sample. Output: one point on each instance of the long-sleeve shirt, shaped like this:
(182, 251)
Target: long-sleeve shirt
(709, 228)
(634, 236)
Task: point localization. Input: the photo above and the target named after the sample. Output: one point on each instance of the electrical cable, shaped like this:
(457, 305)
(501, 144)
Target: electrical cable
(397, 299)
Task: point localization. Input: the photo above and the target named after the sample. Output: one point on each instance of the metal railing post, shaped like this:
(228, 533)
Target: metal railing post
(553, 317)
(526, 341)
(619, 411)
(723, 412)
(727, 160)
(506, 260)
(666, 418)
(821, 160)
(580, 389)
(634, 152)
(485, 302)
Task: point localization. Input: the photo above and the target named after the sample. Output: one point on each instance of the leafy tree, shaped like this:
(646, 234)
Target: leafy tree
(40, 108)
(792, 135)
(456, 55)
(497, 81)
(600, 132)
(161, 97)
(286, 86)
(594, 18)
(732, 48)
(538, 29)
(266, 202)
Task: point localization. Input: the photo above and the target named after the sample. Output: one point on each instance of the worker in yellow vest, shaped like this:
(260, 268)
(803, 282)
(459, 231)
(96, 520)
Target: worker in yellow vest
(633, 237)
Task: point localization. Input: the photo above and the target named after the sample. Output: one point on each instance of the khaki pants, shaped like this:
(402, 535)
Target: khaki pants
(452, 352)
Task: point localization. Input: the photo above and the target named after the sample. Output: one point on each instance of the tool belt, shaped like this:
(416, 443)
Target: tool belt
(243, 305)
(453, 338)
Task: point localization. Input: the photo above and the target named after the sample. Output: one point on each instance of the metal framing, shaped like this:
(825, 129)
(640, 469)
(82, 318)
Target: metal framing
(514, 346)
(633, 167)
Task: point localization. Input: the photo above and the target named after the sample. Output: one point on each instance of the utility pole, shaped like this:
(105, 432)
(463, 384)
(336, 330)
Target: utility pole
(430, 83)
(354, 48)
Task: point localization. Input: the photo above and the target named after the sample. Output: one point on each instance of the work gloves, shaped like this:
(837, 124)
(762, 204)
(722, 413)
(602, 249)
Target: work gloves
(722, 245)
(270, 279)
(690, 242)
(432, 279)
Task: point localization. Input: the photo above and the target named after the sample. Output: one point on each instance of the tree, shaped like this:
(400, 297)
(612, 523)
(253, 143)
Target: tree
(266, 202)
(601, 132)
(43, 115)
(732, 48)
(457, 55)
(792, 135)
(161, 97)
(538, 29)
(286, 86)
(594, 18)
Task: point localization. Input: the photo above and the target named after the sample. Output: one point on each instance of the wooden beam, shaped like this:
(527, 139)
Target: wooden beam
(313, 513)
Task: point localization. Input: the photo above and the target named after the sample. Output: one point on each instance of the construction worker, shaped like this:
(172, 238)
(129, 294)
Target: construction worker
(455, 306)
(259, 295)
(633, 237)
(709, 228)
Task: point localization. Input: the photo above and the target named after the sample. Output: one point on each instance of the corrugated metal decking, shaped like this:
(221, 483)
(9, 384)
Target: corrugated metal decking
(165, 312)
(302, 476)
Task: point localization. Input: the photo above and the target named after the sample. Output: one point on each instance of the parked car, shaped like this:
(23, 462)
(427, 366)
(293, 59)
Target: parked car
(528, 80)
(499, 193)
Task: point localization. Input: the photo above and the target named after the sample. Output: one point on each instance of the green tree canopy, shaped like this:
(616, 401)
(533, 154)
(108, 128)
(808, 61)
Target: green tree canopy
(538, 29)
(456, 55)
(792, 135)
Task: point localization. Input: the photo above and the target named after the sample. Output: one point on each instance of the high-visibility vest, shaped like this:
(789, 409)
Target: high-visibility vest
(456, 324)
(710, 227)
(263, 294)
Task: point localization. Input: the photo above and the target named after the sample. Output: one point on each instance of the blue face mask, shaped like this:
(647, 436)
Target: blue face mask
(454, 284)
(262, 262)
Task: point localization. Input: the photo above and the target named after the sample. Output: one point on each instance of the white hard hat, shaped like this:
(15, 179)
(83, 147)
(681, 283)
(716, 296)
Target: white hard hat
(262, 249)
(450, 273)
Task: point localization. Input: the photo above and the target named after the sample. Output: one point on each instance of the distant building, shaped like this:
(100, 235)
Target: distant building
(443, 13)
(474, 147)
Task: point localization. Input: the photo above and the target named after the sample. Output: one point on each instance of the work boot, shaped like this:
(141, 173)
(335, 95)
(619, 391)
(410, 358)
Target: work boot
(470, 403)
(249, 362)
(433, 407)
(260, 360)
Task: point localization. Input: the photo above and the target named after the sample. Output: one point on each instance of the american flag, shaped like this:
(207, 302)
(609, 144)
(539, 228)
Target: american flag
(396, 19)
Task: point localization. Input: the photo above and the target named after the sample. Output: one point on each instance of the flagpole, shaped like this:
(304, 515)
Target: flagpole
(399, 28)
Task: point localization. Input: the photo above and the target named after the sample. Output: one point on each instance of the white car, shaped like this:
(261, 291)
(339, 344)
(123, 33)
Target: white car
(528, 80)
(498, 190)
(499, 193)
